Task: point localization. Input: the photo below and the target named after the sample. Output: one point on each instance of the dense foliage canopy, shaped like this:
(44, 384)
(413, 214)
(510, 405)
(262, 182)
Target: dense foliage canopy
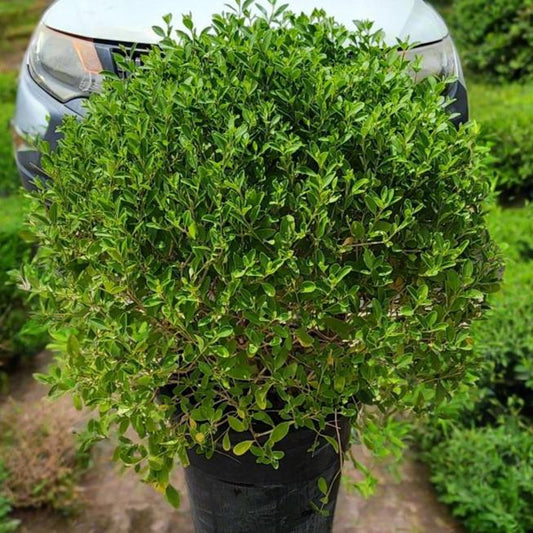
(266, 226)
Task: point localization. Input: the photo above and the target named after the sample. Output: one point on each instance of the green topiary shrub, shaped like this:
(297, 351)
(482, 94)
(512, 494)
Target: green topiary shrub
(503, 341)
(506, 117)
(496, 37)
(485, 474)
(264, 227)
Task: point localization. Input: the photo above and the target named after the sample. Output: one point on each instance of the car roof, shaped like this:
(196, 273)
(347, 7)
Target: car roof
(131, 21)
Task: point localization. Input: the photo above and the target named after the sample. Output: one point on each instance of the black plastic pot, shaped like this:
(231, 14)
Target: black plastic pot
(232, 494)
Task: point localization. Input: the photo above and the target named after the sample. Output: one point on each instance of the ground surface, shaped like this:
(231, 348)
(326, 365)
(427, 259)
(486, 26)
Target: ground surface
(113, 502)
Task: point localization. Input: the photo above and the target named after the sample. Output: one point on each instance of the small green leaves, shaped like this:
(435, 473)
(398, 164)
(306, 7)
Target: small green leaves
(265, 225)
(323, 486)
(242, 447)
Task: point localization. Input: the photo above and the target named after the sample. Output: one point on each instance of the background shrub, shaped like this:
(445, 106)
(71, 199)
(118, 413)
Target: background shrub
(496, 37)
(485, 475)
(479, 444)
(505, 339)
(8, 173)
(506, 116)
(40, 455)
(278, 227)
(7, 525)
(16, 338)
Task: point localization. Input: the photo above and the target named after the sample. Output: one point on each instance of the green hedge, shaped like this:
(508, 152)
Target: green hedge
(485, 475)
(14, 340)
(13, 14)
(496, 37)
(506, 115)
(505, 338)
(8, 174)
(480, 455)
(7, 525)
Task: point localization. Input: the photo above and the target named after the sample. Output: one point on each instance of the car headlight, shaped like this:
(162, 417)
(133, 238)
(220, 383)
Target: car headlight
(438, 59)
(65, 66)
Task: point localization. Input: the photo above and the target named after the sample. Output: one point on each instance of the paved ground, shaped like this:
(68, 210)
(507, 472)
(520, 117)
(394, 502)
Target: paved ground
(115, 502)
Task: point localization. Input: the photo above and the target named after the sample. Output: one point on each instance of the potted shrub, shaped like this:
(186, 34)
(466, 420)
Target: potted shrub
(265, 228)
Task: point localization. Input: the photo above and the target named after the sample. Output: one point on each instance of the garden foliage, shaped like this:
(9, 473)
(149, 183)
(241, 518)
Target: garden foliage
(16, 340)
(8, 173)
(7, 525)
(505, 340)
(39, 453)
(264, 227)
(506, 117)
(485, 475)
(496, 37)
(479, 446)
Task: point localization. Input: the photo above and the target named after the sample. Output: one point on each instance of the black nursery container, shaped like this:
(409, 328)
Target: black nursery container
(232, 494)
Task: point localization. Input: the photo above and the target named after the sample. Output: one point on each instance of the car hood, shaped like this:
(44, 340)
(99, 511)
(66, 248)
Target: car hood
(131, 21)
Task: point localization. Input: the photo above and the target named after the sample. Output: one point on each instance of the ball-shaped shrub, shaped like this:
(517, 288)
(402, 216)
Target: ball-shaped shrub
(265, 226)
(496, 37)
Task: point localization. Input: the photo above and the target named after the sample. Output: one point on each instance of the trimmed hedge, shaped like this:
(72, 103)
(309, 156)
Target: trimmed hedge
(506, 116)
(485, 474)
(496, 37)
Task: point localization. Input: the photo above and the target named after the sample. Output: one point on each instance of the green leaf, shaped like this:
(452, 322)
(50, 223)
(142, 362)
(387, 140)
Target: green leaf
(308, 287)
(339, 383)
(73, 346)
(78, 403)
(172, 496)
(236, 424)
(159, 31)
(279, 432)
(226, 331)
(338, 326)
(192, 230)
(242, 447)
(269, 289)
(323, 486)
(304, 338)
(226, 443)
